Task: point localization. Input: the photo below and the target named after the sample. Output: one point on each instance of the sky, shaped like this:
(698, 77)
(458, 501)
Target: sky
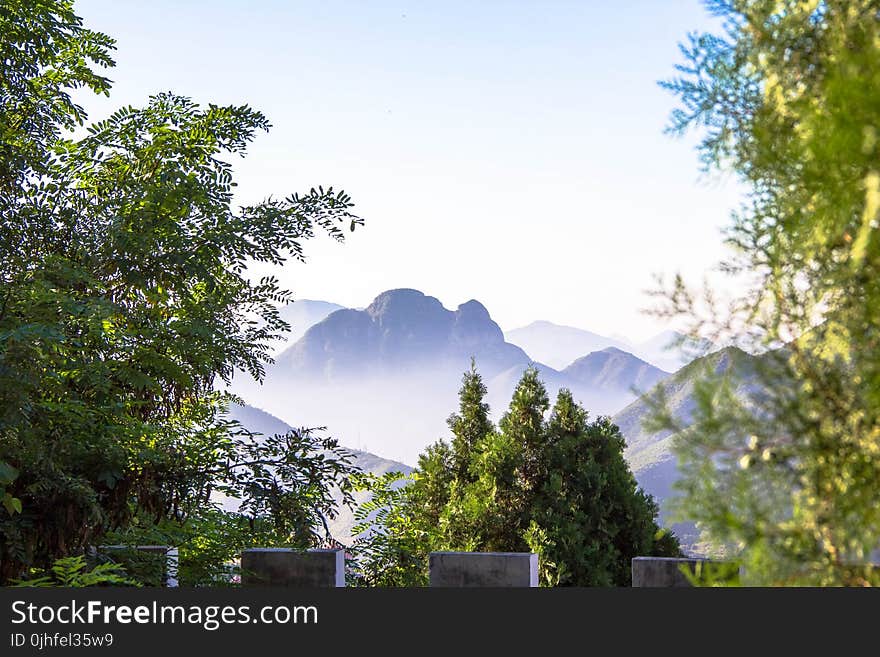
(510, 152)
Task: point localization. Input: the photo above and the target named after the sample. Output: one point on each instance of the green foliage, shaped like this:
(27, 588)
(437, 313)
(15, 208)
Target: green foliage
(785, 477)
(74, 572)
(124, 301)
(388, 549)
(8, 474)
(284, 487)
(45, 53)
(472, 424)
(288, 480)
(557, 486)
(714, 574)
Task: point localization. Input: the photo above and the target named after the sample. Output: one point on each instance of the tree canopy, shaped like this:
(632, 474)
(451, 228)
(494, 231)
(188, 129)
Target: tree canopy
(124, 301)
(786, 98)
(555, 484)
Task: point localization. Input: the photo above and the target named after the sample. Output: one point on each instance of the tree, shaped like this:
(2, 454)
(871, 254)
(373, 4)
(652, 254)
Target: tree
(284, 485)
(593, 517)
(471, 423)
(786, 479)
(125, 296)
(558, 486)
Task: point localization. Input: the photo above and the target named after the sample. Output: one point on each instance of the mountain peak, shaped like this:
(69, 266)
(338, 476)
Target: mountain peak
(611, 350)
(558, 345)
(611, 368)
(402, 300)
(473, 308)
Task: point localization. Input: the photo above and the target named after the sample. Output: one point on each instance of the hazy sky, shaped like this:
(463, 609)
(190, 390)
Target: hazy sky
(510, 152)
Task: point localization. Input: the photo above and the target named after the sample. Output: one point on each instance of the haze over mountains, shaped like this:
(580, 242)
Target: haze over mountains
(559, 346)
(385, 378)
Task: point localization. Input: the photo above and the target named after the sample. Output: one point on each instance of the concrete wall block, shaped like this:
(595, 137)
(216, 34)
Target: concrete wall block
(463, 569)
(292, 568)
(666, 571)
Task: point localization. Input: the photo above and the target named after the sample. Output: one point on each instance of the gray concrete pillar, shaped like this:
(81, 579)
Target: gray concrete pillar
(667, 571)
(461, 569)
(293, 568)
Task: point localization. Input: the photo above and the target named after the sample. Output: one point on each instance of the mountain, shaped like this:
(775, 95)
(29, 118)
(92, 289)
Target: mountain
(385, 378)
(401, 329)
(603, 381)
(302, 315)
(258, 421)
(614, 369)
(671, 350)
(650, 453)
(557, 345)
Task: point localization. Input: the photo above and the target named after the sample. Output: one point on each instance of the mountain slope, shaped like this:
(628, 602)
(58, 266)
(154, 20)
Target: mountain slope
(678, 390)
(650, 453)
(302, 315)
(671, 350)
(557, 345)
(614, 369)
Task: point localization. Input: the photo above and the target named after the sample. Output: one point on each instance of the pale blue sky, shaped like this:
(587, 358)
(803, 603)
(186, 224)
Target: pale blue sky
(510, 152)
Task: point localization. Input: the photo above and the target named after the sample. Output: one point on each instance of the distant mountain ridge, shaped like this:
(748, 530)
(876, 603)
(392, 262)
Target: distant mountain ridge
(558, 345)
(614, 369)
(672, 350)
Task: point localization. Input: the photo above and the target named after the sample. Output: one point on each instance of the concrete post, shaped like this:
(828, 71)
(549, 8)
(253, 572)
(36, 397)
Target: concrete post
(464, 569)
(667, 571)
(292, 568)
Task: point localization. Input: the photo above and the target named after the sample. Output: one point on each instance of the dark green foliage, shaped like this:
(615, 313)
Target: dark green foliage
(124, 301)
(558, 486)
(283, 485)
(595, 517)
(44, 54)
(471, 423)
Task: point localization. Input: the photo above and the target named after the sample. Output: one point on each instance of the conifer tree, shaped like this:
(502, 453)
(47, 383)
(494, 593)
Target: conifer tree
(557, 486)
(594, 517)
(471, 424)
